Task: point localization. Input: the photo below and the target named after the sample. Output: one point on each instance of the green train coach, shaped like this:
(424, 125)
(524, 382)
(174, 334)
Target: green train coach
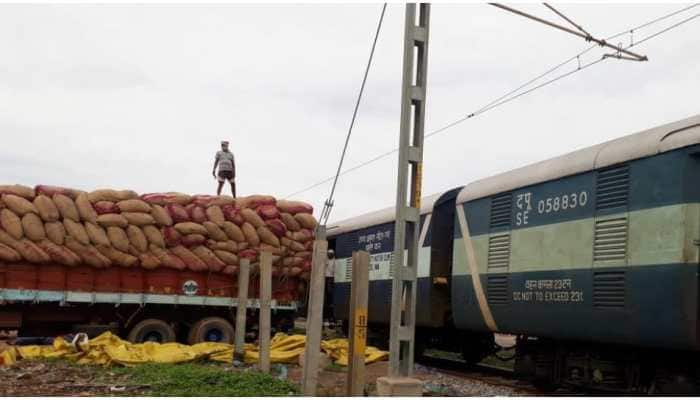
(591, 259)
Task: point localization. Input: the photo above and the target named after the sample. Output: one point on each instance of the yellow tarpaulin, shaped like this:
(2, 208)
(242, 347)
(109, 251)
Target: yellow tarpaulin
(108, 349)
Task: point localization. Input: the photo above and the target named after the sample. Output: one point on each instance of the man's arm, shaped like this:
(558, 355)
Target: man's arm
(216, 162)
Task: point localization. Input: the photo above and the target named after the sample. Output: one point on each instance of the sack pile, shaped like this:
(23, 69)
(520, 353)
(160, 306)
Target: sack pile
(103, 228)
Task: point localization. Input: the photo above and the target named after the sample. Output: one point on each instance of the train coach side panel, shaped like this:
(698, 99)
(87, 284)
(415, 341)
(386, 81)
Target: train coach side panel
(607, 255)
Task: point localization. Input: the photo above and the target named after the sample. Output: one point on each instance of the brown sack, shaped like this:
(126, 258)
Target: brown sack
(11, 223)
(252, 217)
(60, 254)
(117, 236)
(233, 232)
(56, 232)
(255, 200)
(31, 252)
(215, 215)
(119, 258)
(77, 231)
(167, 259)
(137, 238)
(275, 250)
(229, 245)
(47, 209)
(111, 195)
(161, 216)
(153, 235)
(251, 235)
(222, 200)
(18, 190)
(85, 209)
(193, 239)
(296, 246)
(186, 228)
(97, 234)
(149, 261)
(49, 191)
(8, 240)
(294, 207)
(66, 207)
(291, 223)
(268, 237)
(138, 218)
(134, 205)
(33, 227)
(8, 254)
(18, 205)
(88, 254)
(226, 257)
(105, 207)
(209, 258)
(107, 220)
(192, 262)
(306, 220)
(214, 231)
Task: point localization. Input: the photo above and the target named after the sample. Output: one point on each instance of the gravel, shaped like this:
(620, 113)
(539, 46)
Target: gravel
(438, 383)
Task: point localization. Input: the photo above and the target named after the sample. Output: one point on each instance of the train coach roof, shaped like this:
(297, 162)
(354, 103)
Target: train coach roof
(653, 141)
(377, 217)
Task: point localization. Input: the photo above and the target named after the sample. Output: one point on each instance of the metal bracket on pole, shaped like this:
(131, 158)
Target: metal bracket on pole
(408, 193)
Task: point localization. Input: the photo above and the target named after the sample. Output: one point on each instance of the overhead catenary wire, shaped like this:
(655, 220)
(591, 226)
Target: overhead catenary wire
(328, 205)
(506, 98)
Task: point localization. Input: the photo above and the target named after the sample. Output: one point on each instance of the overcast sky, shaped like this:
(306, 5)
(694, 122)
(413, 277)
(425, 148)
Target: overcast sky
(139, 97)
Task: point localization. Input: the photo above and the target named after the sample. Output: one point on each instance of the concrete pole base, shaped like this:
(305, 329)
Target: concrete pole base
(399, 386)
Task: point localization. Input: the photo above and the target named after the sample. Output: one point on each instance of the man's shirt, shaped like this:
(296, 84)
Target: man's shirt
(225, 159)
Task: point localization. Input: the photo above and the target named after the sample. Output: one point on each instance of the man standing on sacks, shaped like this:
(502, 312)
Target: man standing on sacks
(227, 168)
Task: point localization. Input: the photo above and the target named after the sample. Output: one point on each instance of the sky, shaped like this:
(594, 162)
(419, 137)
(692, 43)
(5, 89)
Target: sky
(139, 96)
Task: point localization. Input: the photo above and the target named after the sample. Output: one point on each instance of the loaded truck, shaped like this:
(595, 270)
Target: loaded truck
(156, 267)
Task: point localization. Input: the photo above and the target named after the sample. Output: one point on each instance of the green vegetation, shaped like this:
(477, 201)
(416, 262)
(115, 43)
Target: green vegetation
(201, 379)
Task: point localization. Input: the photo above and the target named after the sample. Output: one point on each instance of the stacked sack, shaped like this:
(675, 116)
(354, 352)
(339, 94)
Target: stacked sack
(108, 227)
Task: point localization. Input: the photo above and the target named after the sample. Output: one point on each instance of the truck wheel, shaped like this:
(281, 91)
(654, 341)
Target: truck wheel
(152, 330)
(211, 329)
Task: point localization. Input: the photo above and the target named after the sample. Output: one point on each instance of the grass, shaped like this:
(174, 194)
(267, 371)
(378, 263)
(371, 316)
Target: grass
(202, 379)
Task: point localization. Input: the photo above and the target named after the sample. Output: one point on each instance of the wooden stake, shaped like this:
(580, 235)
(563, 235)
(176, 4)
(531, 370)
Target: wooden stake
(265, 299)
(358, 319)
(314, 316)
(239, 344)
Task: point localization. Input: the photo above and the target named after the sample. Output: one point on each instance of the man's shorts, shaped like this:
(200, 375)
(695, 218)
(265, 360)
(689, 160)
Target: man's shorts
(226, 176)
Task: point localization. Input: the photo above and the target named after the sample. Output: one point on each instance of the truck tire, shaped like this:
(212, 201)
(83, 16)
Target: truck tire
(211, 329)
(152, 330)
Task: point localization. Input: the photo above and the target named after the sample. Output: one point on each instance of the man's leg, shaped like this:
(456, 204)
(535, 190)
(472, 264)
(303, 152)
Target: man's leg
(221, 185)
(233, 187)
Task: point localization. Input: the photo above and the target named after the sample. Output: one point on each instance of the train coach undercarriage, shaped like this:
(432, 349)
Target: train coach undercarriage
(606, 367)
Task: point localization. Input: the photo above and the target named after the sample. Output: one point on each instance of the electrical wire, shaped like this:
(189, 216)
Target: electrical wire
(504, 99)
(325, 213)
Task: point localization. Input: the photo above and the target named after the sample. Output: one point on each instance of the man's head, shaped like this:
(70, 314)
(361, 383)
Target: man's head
(224, 145)
(331, 254)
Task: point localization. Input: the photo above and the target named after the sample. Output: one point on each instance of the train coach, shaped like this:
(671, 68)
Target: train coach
(591, 258)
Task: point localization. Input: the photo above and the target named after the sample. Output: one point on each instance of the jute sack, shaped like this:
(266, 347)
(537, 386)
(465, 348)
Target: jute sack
(11, 223)
(167, 259)
(289, 221)
(107, 220)
(294, 207)
(138, 218)
(18, 190)
(134, 205)
(177, 213)
(77, 231)
(85, 208)
(88, 254)
(137, 238)
(49, 191)
(97, 234)
(56, 232)
(66, 207)
(306, 220)
(233, 232)
(214, 231)
(171, 236)
(119, 258)
(149, 261)
(227, 257)
(251, 235)
(192, 262)
(228, 245)
(8, 254)
(33, 227)
(59, 254)
(118, 238)
(18, 205)
(186, 228)
(209, 258)
(215, 215)
(153, 235)
(268, 237)
(46, 208)
(193, 239)
(252, 217)
(31, 252)
(161, 216)
(106, 207)
(276, 226)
